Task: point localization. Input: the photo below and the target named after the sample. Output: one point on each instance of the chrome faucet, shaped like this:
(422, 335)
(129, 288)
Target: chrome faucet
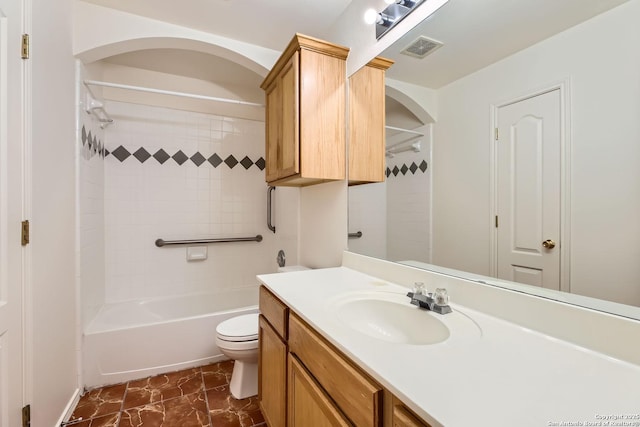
(437, 301)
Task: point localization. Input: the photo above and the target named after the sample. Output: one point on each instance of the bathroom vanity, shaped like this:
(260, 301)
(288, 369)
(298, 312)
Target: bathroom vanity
(346, 345)
(305, 380)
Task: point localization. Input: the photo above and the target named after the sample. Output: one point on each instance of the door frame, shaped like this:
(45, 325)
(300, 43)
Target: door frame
(564, 87)
(21, 203)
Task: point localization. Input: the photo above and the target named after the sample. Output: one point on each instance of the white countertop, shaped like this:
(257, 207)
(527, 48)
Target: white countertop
(507, 376)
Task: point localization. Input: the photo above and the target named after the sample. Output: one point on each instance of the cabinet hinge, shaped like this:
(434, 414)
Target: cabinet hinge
(24, 49)
(496, 133)
(26, 416)
(25, 232)
(496, 221)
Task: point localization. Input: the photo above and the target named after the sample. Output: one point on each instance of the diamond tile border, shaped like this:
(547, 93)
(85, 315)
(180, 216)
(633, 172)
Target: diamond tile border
(179, 157)
(404, 169)
(91, 145)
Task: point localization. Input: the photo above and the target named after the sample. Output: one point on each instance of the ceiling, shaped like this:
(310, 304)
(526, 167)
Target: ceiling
(475, 33)
(478, 33)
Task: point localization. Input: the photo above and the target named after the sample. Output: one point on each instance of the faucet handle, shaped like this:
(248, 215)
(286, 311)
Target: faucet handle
(441, 296)
(419, 288)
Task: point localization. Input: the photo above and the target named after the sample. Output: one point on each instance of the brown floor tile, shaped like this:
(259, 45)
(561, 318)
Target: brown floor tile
(226, 411)
(104, 421)
(163, 387)
(197, 397)
(217, 374)
(250, 419)
(225, 419)
(151, 415)
(102, 401)
(185, 411)
(234, 419)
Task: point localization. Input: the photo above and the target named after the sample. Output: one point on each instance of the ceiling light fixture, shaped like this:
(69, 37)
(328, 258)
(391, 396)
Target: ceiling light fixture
(372, 17)
(392, 14)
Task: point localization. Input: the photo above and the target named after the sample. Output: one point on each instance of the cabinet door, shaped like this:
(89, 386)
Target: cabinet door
(289, 147)
(367, 122)
(357, 396)
(308, 404)
(272, 375)
(366, 125)
(282, 123)
(273, 125)
(403, 418)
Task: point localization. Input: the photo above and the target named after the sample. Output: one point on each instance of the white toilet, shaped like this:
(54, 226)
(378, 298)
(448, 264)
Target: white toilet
(237, 338)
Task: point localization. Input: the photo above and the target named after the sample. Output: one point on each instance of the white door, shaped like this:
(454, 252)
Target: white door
(11, 190)
(528, 190)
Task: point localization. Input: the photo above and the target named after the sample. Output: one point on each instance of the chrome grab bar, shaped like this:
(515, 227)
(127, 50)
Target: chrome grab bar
(355, 235)
(269, 207)
(160, 243)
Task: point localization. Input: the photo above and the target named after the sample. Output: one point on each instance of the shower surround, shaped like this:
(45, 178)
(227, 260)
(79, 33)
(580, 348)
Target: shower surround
(181, 175)
(172, 174)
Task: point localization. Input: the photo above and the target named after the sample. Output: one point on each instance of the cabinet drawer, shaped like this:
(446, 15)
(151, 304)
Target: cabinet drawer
(403, 418)
(274, 311)
(357, 396)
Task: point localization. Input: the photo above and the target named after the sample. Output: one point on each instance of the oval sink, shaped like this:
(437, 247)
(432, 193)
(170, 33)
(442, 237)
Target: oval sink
(392, 321)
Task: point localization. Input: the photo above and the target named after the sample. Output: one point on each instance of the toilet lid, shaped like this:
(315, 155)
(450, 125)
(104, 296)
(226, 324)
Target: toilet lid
(240, 328)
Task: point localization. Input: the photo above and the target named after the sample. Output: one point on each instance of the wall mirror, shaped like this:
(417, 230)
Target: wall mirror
(525, 115)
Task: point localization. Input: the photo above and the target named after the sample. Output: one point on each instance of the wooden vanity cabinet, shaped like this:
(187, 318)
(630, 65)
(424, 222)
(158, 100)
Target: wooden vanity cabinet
(367, 122)
(354, 393)
(272, 359)
(403, 418)
(305, 114)
(305, 381)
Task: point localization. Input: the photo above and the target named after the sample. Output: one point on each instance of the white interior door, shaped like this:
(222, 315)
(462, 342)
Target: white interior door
(11, 190)
(528, 190)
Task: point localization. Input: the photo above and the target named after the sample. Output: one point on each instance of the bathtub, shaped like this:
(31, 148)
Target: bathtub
(136, 339)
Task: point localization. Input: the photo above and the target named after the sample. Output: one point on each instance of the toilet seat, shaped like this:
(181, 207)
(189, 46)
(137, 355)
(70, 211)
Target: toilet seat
(237, 345)
(240, 329)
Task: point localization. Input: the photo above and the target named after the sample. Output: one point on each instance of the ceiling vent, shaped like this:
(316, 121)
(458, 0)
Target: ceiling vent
(421, 47)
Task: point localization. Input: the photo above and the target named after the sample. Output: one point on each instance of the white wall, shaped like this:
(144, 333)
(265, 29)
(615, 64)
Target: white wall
(100, 32)
(368, 214)
(601, 59)
(323, 224)
(51, 310)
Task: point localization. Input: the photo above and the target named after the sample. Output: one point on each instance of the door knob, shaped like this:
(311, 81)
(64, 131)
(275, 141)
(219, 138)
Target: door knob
(549, 244)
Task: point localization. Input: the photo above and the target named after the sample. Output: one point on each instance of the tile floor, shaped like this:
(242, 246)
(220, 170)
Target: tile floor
(197, 397)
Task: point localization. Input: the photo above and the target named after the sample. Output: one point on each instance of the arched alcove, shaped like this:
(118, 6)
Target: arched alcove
(149, 43)
(413, 106)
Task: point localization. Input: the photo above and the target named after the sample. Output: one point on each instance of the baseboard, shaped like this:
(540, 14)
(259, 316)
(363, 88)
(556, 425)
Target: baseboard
(68, 410)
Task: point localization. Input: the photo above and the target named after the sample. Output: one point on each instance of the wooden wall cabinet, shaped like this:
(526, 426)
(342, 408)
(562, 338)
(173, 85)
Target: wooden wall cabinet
(367, 122)
(305, 114)
(304, 381)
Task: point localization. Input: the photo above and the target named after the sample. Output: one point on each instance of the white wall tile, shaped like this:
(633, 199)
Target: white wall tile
(90, 226)
(146, 201)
